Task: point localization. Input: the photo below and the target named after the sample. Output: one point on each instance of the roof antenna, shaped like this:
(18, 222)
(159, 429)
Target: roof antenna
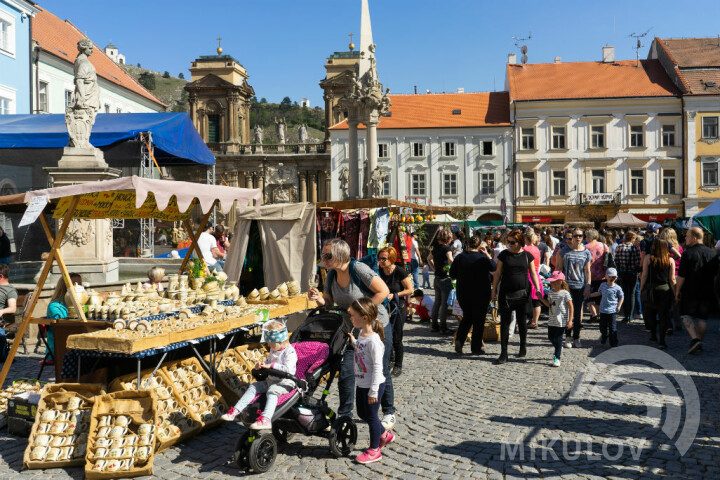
(520, 43)
(639, 44)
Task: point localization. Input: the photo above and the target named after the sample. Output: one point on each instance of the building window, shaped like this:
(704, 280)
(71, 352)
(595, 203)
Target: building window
(559, 183)
(450, 184)
(528, 184)
(448, 149)
(213, 128)
(7, 34)
(710, 173)
(383, 150)
(637, 134)
(487, 183)
(598, 181)
(386, 185)
(597, 136)
(668, 135)
(418, 149)
(5, 106)
(527, 139)
(637, 182)
(68, 98)
(43, 97)
(487, 147)
(710, 127)
(417, 184)
(558, 138)
(668, 177)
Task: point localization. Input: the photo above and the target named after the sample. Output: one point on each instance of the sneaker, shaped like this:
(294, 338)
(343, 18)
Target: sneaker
(231, 414)
(386, 438)
(388, 421)
(577, 343)
(568, 343)
(261, 423)
(369, 456)
(695, 345)
(639, 316)
(556, 361)
(396, 371)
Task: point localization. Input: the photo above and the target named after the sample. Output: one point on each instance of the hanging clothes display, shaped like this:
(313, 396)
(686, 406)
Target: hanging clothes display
(364, 233)
(351, 223)
(379, 225)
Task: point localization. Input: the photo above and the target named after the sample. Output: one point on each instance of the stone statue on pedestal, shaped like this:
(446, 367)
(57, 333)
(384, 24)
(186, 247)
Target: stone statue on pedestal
(281, 129)
(344, 180)
(80, 113)
(303, 133)
(258, 134)
(377, 178)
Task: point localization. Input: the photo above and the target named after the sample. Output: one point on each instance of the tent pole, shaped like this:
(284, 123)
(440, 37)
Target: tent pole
(194, 236)
(55, 247)
(63, 270)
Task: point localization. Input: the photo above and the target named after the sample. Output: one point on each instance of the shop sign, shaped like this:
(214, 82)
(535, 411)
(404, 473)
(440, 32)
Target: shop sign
(33, 211)
(600, 197)
(655, 217)
(537, 219)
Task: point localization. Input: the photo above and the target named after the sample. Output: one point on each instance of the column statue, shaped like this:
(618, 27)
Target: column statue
(258, 134)
(80, 113)
(281, 129)
(303, 133)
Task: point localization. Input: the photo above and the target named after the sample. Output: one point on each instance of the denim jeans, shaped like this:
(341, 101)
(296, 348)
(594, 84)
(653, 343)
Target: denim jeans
(638, 301)
(415, 270)
(426, 280)
(608, 321)
(443, 287)
(555, 335)
(578, 299)
(346, 380)
(628, 282)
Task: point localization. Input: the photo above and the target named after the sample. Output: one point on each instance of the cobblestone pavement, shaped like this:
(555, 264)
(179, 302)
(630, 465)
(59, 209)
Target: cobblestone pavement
(454, 415)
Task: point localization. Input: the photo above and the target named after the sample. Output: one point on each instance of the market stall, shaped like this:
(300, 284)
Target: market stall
(625, 220)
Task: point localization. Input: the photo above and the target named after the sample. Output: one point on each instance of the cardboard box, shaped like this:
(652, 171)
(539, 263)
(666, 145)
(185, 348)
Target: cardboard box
(19, 426)
(24, 406)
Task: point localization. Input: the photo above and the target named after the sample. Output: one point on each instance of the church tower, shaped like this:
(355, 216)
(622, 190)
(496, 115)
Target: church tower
(219, 98)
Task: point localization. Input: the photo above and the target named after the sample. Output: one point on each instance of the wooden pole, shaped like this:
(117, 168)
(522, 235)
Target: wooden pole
(55, 246)
(64, 271)
(194, 237)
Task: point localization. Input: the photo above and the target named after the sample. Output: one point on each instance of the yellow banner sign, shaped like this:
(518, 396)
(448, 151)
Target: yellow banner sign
(120, 205)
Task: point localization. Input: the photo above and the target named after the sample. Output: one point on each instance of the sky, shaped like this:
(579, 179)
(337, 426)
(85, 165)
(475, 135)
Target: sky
(436, 45)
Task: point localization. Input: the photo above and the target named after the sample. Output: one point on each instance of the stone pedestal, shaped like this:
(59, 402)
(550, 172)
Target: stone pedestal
(88, 244)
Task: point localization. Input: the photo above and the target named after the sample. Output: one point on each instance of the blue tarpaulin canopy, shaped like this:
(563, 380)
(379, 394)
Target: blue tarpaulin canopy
(172, 133)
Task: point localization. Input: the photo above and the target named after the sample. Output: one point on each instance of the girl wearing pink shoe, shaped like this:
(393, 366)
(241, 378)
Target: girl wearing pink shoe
(282, 357)
(369, 379)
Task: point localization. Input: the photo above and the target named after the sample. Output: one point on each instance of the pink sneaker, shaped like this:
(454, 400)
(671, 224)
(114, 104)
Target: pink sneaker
(261, 423)
(231, 414)
(386, 438)
(371, 455)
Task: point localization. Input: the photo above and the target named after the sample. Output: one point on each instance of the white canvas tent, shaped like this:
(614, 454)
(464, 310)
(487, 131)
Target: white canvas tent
(625, 220)
(287, 232)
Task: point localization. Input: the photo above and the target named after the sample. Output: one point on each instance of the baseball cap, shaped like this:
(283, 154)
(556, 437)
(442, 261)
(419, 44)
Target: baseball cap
(556, 275)
(611, 272)
(653, 227)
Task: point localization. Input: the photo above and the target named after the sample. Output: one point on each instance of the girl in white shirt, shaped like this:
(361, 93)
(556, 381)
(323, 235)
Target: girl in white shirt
(369, 379)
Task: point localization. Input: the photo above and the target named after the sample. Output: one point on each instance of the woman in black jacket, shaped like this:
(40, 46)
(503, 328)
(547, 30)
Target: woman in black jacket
(472, 270)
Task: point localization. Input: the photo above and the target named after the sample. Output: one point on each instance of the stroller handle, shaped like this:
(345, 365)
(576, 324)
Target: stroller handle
(262, 373)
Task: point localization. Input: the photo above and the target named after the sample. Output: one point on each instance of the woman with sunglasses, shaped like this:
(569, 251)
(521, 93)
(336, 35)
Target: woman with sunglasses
(575, 264)
(342, 291)
(400, 284)
(513, 284)
(440, 260)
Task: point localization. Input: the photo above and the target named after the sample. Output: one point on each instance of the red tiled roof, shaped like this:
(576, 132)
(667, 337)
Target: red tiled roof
(435, 110)
(60, 38)
(574, 80)
(701, 82)
(692, 52)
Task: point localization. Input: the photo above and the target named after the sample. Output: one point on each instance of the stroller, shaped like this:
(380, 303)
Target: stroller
(320, 343)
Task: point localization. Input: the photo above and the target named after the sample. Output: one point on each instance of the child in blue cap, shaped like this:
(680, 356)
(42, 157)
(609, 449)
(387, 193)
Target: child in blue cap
(282, 357)
(612, 299)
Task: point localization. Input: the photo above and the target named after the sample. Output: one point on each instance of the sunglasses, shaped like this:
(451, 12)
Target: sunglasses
(327, 256)
(512, 242)
(579, 236)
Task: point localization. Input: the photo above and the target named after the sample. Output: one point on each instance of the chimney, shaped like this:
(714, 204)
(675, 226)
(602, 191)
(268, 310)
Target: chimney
(512, 58)
(558, 59)
(461, 90)
(608, 54)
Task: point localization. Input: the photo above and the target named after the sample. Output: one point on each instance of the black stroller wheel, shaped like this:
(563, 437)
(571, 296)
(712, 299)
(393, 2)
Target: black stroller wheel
(242, 446)
(263, 451)
(282, 436)
(343, 437)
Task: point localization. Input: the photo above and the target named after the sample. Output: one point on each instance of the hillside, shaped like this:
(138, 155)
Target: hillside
(168, 90)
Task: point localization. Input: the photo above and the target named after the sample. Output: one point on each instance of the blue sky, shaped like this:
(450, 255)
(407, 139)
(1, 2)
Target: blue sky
(438, 45)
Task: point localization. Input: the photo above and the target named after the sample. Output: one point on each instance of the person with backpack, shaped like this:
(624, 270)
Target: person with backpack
(348, 280)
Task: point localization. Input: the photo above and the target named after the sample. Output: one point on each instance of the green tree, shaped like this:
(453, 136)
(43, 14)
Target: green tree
(181, 76)
(166, 74)
(147, 80)
(263, 100)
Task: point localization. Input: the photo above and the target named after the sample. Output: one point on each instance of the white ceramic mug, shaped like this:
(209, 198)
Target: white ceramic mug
(104, 421)
(146, 439)
(74, 403)
(67, 452)
(58, 427)
(146, 428)
(38, 453)
(99, 465)
(49, 415)
(119, 442)
(131, 440)
(43, 428)
(122, 421)
(142, 453)
(127, 464)
(115, 453)
(64, 416)
(101, 453)
(59, 441)
(52, 454)
(117, 432)
(103, 442)
(129, 451)
(113, 465)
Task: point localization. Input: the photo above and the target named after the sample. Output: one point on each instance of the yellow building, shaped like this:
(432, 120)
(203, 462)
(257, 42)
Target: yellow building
(592, 139)
(694, 66)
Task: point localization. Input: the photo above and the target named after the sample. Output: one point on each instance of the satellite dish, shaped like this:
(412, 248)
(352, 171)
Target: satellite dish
(523, 49)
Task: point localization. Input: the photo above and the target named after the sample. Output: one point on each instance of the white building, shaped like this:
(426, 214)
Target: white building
(54, 57)
(444, 149)
(596, 138)
(112, 51)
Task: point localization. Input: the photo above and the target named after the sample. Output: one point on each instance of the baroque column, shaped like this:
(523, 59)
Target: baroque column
(313, 187)
(372, 148)
(303, 187)
(354, 166)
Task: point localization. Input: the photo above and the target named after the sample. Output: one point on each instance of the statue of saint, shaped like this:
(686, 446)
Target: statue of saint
(281, 130)
(344, 183)
(377, 178)
(303, 133)
(258, 134)
(80, 113)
